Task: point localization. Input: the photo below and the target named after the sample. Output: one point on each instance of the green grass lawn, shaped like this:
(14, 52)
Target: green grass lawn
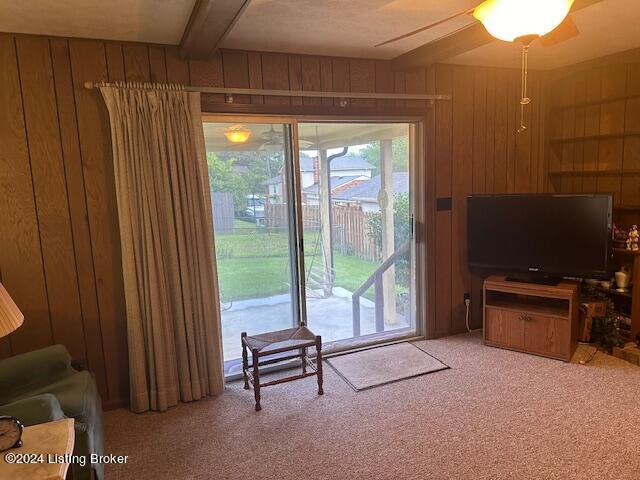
(244, 278)
(255, 264)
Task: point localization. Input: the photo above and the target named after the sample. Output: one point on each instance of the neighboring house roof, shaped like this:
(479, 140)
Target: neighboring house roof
(273, 181)
(339, 163)
(369, 190)
(335, 183)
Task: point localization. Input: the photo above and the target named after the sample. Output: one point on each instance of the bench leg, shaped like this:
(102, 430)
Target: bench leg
(304, 360)
(245, 361)
(256, 379)
(319, 364)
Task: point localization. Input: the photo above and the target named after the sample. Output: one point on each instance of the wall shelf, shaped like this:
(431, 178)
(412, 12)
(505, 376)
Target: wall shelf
(572, 173)
(627, 208)
(624, 251)
(593, 103)
(602, 136)
(613, 291)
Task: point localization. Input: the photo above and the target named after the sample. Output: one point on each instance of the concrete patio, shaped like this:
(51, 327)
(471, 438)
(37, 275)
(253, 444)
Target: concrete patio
(329, 317)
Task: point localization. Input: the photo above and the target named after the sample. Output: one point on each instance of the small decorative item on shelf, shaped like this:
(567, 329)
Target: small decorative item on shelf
(620, 236)
(605, 284)
(622, 279)
(633, 239)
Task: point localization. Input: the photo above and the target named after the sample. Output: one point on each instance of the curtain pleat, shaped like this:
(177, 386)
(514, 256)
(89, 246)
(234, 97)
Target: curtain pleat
(168, 257)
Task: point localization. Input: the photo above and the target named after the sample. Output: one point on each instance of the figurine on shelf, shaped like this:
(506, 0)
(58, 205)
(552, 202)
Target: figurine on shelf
(633, 238)
(620, 236)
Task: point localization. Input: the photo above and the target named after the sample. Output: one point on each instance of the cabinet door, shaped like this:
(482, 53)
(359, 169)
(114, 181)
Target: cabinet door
(547, 336)
(504, 328)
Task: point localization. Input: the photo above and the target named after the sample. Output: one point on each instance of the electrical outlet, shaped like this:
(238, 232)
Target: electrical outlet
(467, 296)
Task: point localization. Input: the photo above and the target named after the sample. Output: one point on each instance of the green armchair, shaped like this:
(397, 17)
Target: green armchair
(41, 386)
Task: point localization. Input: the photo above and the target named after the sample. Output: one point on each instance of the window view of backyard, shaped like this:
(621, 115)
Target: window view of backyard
(355, 209)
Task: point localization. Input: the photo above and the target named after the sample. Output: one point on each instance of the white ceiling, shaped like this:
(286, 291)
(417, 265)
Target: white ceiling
(348, 28)
(607, 27)
(322, 27)
(154, 21)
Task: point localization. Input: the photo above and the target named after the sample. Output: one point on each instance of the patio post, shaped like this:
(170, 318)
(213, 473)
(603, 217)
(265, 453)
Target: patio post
(385, 200)
(325, 223)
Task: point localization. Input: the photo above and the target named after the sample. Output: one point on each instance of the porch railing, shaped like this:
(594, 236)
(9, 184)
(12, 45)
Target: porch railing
(376, 280)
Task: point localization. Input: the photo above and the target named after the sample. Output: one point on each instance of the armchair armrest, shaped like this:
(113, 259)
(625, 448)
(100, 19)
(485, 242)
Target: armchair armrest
(33, 410)
(21, 373)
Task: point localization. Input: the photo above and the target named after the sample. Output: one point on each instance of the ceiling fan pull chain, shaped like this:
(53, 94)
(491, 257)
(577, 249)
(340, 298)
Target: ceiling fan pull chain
(524, 100)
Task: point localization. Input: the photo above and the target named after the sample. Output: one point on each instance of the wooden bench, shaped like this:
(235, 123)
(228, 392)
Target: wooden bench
(275, 343)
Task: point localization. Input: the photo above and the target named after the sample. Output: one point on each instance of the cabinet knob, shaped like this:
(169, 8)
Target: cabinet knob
(525, 318)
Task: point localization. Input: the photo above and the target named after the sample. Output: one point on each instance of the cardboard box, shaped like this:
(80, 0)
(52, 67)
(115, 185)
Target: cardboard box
(589, 311)
(630, 352)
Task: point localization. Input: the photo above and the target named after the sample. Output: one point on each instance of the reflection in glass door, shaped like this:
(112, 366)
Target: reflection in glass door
(250, 171)
(358, 235)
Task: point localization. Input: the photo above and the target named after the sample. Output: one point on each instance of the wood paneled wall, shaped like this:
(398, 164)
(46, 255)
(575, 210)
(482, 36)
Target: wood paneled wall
(59, 241)
(475, 148)
(594, 119)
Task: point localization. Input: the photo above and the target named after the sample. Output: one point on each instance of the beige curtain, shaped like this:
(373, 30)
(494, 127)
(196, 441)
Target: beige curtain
(164, 210)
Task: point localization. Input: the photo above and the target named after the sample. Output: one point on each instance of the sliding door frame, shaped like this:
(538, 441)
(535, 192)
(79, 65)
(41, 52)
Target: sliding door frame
(418, 201)
(290, 149)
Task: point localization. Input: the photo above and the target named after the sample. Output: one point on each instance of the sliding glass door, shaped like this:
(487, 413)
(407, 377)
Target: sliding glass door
(313, 224)
(357, 214)
(250, 178)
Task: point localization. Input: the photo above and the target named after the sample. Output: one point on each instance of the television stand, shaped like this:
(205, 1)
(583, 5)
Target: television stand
(531, 318)
(552, 281)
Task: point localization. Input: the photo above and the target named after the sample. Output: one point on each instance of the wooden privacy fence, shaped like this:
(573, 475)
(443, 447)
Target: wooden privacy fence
(223, 214)
(349, 227)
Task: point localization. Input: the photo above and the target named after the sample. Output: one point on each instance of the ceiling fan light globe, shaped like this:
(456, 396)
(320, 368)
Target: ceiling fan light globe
(237, 134)
(509, 20)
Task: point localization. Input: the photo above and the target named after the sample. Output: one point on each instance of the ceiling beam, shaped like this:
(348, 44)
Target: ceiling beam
(209, 24)
(457, 43)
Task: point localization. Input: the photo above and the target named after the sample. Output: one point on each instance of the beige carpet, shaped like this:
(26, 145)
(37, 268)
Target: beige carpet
(381, 365)
(494, 415)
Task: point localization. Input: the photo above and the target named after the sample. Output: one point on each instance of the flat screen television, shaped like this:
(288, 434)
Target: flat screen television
(541, 234)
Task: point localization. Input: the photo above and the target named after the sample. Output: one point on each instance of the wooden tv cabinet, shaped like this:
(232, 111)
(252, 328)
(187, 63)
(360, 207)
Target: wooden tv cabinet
(531, 318)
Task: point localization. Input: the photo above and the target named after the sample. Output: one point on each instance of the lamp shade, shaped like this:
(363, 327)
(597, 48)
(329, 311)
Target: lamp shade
(10, 315)
(237, 134)
(512, 19)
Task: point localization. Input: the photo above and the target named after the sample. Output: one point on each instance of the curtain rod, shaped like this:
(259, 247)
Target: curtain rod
(229, 92)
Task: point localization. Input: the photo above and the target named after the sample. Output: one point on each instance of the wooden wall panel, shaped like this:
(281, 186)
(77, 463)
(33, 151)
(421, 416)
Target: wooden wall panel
(50, 191)
(326, 79)
(443, 246)
(88, 61)
(295, 77)
(20, 256)
(136, 62)
(362, 78)
(177, 67)
(157, 64)
(462, 185)
(478, 150)
(115, 62)
(594, 121)
(275, 75)
(236, 73)
(61, 249)
(78, 209)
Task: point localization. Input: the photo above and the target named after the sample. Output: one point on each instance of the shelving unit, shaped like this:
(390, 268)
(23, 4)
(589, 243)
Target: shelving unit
(631, 258)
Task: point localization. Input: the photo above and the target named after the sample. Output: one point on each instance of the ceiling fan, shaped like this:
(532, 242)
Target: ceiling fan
(522, 21)
(241, 137)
